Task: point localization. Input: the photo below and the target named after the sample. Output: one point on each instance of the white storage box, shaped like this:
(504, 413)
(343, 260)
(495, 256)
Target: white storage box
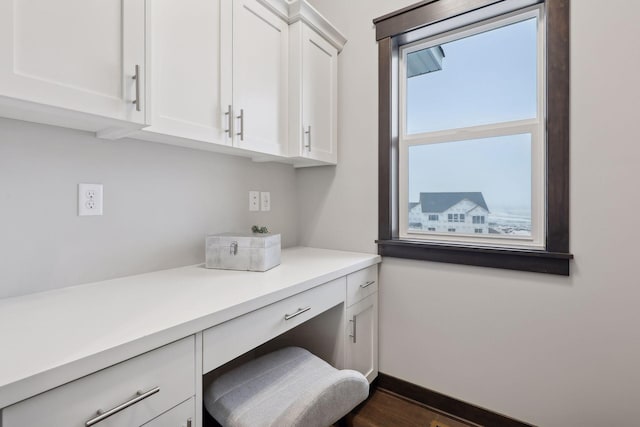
(243, 251)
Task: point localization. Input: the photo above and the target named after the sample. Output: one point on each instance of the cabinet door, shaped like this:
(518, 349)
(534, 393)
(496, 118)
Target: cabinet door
(166, 376)
(182, 415)
(189, 44)
(362, 337)
(74, 54)
(319, 97)
(260, 52)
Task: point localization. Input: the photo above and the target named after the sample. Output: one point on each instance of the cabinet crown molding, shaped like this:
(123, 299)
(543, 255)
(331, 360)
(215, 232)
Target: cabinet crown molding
(300, 10)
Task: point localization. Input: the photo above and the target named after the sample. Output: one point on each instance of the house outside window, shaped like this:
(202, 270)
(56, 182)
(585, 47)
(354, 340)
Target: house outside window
(433, 206)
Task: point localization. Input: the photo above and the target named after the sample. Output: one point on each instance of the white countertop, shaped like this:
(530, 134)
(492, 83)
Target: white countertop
(50, 338)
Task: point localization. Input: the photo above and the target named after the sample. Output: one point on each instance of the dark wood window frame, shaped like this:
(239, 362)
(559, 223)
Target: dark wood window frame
(404, 26)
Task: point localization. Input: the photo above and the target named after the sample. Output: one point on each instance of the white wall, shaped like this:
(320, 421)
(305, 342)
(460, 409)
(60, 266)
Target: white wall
(159, 202)
(552, 351)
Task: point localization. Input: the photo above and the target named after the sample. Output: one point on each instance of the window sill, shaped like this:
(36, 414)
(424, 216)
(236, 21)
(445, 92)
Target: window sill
(511, 259)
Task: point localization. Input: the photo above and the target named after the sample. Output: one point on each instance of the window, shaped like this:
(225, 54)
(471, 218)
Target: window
(431, 229)
(433, 217)
(471, 102)
(474, 119)
(455, 217)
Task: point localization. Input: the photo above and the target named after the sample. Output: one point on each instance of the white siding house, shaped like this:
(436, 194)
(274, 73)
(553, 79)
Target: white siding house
(464, 212)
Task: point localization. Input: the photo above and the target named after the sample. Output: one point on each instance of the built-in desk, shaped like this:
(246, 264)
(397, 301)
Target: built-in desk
(94, 342)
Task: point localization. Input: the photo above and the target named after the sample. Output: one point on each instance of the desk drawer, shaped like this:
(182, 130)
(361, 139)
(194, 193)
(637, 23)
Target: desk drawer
(230, 339)
(171, 369)
(361, 284)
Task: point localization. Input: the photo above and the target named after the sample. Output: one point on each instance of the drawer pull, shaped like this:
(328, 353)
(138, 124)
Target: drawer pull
(369, 283)
(354, 320)
(241, 117)
(308, 145)
(297, 313)
(104, 415)
(136, 77)
(229, 115)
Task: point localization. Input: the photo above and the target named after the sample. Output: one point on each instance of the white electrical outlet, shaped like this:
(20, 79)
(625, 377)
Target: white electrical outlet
(89, 199)
(254, 201)
(265, 201)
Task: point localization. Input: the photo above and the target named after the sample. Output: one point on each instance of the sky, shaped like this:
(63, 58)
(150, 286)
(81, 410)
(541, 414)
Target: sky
(486, 78)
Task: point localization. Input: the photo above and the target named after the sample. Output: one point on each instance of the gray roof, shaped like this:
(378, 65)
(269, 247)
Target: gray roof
(440, 202)
(424, 61)
(413, 205)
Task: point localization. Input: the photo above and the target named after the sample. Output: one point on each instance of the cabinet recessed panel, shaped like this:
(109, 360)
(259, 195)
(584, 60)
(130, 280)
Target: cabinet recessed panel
(77, 55)
(260, 77)
(75, 43)
(185, 51)
(362, 343)
(318, 96)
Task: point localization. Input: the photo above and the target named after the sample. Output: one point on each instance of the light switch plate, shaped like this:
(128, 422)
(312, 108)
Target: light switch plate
(254, 201)
(265, 201)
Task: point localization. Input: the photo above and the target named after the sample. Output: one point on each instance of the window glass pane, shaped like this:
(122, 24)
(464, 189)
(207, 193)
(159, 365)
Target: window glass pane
(486, 78)
(482, 185)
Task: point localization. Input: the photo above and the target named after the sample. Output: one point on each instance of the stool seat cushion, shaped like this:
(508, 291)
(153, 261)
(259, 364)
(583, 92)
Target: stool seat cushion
(286, 388)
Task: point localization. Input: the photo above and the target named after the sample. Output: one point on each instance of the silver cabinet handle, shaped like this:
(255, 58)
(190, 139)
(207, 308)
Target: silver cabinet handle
(308, 144)
(241, 117)
(106, 414)
(229, 115)
(369, 283)
(353, 335)
(297, 313)
(136, 77)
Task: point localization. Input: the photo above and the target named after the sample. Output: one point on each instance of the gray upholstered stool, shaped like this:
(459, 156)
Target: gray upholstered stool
(286, 388)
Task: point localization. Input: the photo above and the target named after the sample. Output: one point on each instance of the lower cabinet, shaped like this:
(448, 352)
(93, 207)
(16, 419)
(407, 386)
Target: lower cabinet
(162, 388)
(130, 393)
(182, 415)
(361, 347)
(229, 340)
(362, 337)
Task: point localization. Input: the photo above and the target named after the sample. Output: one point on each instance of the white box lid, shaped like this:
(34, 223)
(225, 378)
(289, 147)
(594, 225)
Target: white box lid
(244, 240)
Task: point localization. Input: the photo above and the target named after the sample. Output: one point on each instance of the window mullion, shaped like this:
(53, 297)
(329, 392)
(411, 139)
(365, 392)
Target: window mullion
(476, 132)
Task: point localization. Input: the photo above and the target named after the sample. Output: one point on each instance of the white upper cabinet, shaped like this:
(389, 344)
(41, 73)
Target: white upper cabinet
(319, 97)
(313, 102)
(189, 52)
(218, 75)
(255, 78)
(260, 78)
(72, 62)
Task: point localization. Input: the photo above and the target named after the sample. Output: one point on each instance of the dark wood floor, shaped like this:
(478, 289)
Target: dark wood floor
(385, 409)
